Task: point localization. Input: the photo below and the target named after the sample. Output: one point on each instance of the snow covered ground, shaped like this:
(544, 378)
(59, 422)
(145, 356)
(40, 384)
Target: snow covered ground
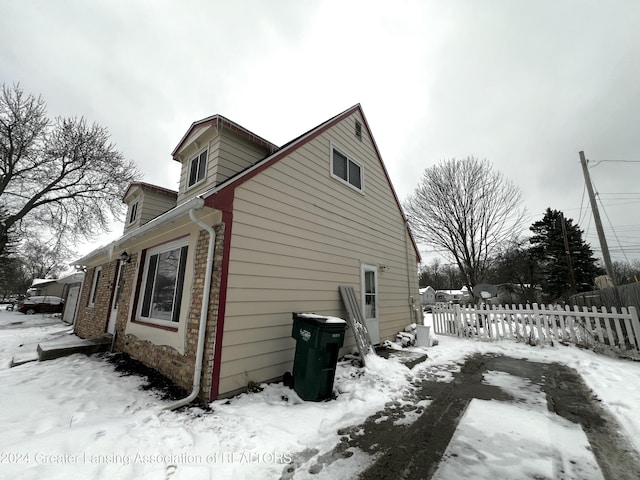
(75, 417)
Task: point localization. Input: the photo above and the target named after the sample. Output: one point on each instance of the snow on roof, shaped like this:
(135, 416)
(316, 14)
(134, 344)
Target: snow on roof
(462, 291)
(327, 319)
(41, 281)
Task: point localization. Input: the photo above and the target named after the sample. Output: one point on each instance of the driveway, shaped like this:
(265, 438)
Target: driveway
(437, 445)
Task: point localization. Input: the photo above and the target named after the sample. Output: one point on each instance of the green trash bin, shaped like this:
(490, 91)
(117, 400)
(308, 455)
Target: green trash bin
(318, 340)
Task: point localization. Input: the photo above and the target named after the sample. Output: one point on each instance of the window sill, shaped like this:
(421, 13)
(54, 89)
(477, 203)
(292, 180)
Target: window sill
(155, 325)
(347, 184)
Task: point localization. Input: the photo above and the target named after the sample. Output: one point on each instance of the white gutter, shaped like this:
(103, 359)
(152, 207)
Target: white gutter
(204, 311)
(173, 214)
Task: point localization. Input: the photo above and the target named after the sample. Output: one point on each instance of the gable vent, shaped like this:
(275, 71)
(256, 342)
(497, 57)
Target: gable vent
(358, 130)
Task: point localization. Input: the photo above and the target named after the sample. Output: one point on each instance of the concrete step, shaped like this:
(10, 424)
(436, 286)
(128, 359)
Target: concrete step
(62, 348)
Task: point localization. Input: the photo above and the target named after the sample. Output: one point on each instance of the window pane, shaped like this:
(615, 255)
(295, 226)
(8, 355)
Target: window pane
(178, 296)
(202, 165)
(369, 306)
(194, 171)
(148, 286)
(370, 293)
(354, 175)
(95, 286)
(134, 212)
(369, 282)
(165, 285)
(339, 165)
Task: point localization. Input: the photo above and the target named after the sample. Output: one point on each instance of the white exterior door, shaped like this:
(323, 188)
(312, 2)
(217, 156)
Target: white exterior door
(70, 304)
(113, 314)
(369, 290)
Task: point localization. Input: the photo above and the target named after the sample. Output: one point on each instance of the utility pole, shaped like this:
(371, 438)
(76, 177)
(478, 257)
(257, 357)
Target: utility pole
(608, 266)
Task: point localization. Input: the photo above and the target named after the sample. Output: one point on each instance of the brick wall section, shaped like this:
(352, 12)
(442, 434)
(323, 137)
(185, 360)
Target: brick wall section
(212, 318)
(128, 287)
(166, 360)
(92, 320)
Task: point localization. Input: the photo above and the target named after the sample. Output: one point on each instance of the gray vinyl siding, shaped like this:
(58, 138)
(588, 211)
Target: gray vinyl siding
(153, 205)
(298, 234)
(236, 154)
(150, 205)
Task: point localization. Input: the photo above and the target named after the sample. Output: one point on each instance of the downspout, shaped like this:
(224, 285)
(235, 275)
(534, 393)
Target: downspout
(204, 311)
(412, 306)
(416, 312)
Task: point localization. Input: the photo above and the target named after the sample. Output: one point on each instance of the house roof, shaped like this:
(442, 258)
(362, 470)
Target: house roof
(150, 188)
(239, 178)
(244, 175)
(221, 122)
(75, 277)
(168, 216)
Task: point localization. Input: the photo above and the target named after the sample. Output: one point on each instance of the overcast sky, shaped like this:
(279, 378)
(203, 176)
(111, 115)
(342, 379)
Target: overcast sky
(525, 84)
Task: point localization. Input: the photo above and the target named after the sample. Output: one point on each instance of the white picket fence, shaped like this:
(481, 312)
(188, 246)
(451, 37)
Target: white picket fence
(541, 324)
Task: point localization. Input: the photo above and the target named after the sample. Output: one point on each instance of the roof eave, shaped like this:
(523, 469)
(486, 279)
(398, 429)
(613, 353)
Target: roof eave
(194, 203)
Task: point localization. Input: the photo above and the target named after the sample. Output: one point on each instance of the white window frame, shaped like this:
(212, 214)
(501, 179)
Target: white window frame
(133, 212)
(159, 249)
(196, 158)
(364, 268)
(334, 147)
(97, 273)
(373, 323)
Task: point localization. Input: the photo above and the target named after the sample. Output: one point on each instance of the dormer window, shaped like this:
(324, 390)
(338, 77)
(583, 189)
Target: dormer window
(197, 169)
(133, 212)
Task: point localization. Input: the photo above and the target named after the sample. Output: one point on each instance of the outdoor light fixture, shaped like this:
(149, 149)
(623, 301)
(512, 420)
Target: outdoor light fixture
(125, 257)
(384, 268)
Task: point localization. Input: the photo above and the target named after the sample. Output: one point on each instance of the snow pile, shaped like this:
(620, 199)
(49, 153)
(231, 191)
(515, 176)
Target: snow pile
(500, 440)
(522, 440)
(76, 417)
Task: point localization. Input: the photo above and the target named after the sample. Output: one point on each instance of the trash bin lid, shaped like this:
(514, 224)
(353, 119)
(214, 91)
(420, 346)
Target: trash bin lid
(320, 319)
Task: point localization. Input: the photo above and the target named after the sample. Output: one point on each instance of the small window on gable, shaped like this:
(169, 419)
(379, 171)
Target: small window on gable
(197, 169)
(94, 286)
(358, 130)
(346, 169)
(133, 212)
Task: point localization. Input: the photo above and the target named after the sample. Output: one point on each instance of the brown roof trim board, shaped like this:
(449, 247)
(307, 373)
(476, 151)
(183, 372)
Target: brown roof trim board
(220, 121)
(241, 177)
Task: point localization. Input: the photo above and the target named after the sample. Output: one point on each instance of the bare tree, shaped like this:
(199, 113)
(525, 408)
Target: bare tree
(60, 175)
(440, 276)
(43, 260)
(467, 210)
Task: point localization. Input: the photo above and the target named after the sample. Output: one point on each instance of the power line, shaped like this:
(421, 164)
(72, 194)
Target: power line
(598, 162)
(584, 190)
(613, 229)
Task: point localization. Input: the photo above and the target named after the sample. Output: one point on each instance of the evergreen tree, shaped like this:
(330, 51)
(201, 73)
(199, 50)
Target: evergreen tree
(548, 248)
